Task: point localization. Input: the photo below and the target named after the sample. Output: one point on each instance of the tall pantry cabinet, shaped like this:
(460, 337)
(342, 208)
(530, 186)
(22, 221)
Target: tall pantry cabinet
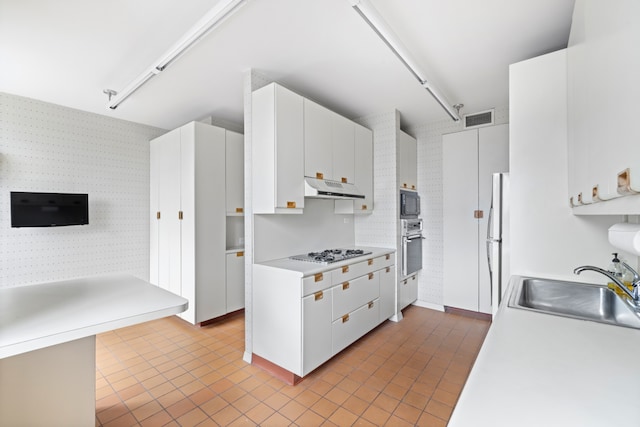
(188, 225)
(469, 160)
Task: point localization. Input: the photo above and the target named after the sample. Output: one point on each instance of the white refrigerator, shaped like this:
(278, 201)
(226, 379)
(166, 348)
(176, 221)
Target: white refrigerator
(498, 239)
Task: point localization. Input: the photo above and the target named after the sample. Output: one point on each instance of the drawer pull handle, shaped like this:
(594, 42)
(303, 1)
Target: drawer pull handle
(388, 269)
(180, 215)
(345, 269)
(344, 180)
(404, 185)
(319, 175)
(413, 277)
(370, 304)
(387, 257)
(364, 207)
(158, 215)
(345, 318)
(317, 277)
(318, 296)
(370, 276)
(291, 205)
(624, 183)
(239, 210)
(239, 254)
(370, 262)
(413, 187)
(345, 286)
(404, 282)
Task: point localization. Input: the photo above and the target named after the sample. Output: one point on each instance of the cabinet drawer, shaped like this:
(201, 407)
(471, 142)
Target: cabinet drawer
(352, 326)
(384, 261)
(317, 282)
(352, 271)
(350, 295)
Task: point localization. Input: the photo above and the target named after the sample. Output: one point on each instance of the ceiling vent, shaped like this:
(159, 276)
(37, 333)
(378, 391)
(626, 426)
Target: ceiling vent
(483, 118)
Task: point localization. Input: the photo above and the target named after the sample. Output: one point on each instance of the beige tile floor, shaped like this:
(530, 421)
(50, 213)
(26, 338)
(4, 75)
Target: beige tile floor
(170, 373)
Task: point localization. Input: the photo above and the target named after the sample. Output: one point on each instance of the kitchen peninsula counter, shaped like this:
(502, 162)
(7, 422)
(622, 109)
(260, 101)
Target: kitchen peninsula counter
(47, 343)
(542, 370)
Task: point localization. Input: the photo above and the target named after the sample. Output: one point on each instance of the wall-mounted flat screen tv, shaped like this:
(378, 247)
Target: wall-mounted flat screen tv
(48, 209)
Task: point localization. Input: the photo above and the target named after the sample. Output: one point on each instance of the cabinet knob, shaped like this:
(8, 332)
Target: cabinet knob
(318, 296)
(404, 185)
(318, 277)
(413, 187)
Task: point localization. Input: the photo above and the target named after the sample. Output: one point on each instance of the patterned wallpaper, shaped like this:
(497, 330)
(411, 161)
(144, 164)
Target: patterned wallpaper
(50, 148)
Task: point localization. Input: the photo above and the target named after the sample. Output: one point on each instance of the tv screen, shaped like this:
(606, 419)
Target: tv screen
(48, 209)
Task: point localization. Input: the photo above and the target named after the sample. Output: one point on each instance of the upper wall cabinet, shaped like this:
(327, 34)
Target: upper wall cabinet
(363, 174)
(277, 150)
(328, 144)
(407, 163)
(604, 137)
(234, 177)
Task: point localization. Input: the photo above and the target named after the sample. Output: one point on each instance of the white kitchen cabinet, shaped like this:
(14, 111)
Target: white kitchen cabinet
(407, 291)
(343, 151)
(407, 162)
(318, 148)
(388, 294)
(301, 321)
(234, 281)
(188, 225)
(277, 150)
(469, 160)
(603, 135)
(234, 173)
(188, 219)
(363, 174)
(316, 330)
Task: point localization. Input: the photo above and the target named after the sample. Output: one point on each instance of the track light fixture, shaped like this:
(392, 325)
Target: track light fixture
(382, 29)
(221, 11)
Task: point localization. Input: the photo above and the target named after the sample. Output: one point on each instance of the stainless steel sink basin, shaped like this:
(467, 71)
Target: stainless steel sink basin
(577, 300)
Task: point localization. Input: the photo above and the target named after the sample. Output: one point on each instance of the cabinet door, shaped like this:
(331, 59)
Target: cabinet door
(364, 169)
(289, 149)
(408, 155)
(387, 292)
(317, 141)
(460, 228)
(316, 330)
(493, 157)
(235, 281)
(343, 141)
(169, 233)
(408, 291)
(234, 172)
(154, 203)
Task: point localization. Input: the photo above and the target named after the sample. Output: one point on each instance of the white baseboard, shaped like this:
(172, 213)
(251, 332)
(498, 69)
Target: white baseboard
(429, 305)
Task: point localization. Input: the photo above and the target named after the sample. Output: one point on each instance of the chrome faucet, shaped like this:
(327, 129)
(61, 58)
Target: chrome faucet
(636, 276)
(633, 296)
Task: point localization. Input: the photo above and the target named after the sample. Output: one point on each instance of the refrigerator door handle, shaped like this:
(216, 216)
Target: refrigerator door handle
(489, 243)
(490, 223)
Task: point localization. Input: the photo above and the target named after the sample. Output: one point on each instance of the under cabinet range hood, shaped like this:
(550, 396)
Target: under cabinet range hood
(322, 189)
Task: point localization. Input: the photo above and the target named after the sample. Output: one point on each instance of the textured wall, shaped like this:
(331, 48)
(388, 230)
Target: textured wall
(49, 148)
(430, 279)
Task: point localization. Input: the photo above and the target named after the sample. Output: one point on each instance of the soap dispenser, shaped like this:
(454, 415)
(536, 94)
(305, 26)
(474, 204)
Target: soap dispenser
(617, 270)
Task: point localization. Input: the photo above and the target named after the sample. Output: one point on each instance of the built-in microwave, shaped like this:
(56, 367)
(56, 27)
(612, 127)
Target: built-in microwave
(409, 204)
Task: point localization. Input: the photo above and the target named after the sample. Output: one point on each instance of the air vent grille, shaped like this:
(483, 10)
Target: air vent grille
(483, 118)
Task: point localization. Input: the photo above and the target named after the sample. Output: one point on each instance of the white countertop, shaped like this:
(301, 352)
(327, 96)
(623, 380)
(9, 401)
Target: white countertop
(37, 316)
(306, 268)
(542, 370)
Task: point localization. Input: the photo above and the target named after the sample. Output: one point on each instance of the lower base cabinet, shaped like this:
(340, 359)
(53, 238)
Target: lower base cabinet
(235, 281)
(301, 322)
(407, 291)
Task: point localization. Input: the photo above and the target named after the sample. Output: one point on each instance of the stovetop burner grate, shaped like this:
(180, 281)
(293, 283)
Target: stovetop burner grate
(328, 256)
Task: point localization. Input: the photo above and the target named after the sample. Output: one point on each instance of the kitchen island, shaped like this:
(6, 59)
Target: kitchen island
(47, 343)
(304, 313)
(537, 369)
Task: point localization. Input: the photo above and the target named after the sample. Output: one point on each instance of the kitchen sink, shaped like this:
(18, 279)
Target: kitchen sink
(576, 300)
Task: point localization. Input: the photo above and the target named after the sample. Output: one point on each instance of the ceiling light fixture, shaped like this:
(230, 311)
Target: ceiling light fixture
(221, 11)
(382, 29)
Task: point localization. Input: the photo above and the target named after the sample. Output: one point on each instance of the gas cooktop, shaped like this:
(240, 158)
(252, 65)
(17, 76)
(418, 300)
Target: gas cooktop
(328, 256)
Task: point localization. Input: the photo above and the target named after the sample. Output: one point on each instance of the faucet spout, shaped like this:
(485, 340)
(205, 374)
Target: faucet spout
(614, 279)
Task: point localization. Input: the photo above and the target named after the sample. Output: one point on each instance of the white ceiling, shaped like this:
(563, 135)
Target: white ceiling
(66, 52)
